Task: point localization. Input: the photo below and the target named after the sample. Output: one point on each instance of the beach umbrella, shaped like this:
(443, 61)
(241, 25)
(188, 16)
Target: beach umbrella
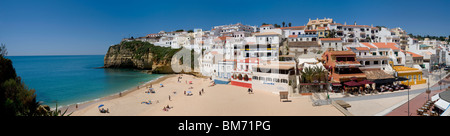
(101, 105)
(189, 92)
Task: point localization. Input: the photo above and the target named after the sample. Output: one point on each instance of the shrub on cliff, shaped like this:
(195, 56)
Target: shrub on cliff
(139, 49)
(15, 97)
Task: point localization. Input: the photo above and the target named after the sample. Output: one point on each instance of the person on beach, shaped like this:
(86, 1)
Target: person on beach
(120, 94)
(185, 92)
(169, 98)
(203, 91)
(200, 93)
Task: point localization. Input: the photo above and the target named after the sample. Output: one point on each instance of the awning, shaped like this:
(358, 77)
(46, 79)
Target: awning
(352, 83)
(313, 83)
(442, 104)
(383, 81)
(435, 97)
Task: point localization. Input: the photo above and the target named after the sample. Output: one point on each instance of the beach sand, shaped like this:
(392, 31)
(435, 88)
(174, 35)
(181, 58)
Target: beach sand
(218, 100)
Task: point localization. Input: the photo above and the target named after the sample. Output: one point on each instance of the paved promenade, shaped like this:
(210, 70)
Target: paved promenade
(417, 102)
(383, 103)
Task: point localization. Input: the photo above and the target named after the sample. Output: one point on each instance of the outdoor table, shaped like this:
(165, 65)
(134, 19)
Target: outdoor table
(424, 109)
(433, 112)
(420, 111)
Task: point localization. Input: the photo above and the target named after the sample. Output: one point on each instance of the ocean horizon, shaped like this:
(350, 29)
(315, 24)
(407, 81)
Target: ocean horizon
(72, 79)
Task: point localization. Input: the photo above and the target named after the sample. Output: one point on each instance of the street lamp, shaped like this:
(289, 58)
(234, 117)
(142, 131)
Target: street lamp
(408, 96)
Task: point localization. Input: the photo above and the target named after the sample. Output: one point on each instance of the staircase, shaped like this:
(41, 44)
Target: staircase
(319, 99)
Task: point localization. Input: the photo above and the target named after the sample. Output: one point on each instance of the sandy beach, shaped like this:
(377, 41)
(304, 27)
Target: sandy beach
(218, 100)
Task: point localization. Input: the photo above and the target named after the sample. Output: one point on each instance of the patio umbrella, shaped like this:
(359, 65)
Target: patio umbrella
(352, 83)
(189, 92)
(101, 105)
(365, 82)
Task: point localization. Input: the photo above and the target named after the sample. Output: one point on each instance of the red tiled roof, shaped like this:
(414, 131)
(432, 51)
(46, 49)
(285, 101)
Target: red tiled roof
(266, 25)
(322, 28)
(368, 45)
(310, 30)
(413, 54)
(362, 49)
(356, 26)
(342, 53)
(223, 38)
(293, 36)
(386, 45)
(294, 27)
(229, 59)
(330, 39)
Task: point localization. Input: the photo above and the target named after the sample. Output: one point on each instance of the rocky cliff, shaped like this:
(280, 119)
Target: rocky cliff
(140, 55)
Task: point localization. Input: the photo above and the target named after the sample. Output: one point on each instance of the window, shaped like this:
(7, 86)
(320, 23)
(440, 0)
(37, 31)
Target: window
(367, 63)
(365, 53)
(269, 79)
(374, 53)
(305, 51)
(375, 62)
(284, 81)
(276, 80)
(261, 78)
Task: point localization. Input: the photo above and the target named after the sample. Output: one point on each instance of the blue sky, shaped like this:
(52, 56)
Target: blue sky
(88, 27)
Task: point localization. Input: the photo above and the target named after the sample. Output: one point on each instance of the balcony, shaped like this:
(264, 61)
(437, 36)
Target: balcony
(307, 35)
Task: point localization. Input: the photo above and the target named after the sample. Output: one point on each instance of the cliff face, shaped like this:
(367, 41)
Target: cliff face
(140, 55)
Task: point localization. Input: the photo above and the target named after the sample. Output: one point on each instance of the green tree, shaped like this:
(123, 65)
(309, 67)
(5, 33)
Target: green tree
(283, 23)
(3, 51)
(332, 34)
(290, 24)
(276, 26)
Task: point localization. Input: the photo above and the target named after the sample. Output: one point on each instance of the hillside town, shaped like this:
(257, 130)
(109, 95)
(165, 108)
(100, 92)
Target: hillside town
(321, 56)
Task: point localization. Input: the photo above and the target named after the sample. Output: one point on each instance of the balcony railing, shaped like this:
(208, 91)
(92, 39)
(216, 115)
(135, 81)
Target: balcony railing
(307, 35)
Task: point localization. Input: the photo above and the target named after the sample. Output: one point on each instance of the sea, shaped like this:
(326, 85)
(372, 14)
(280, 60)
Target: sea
(66, 80)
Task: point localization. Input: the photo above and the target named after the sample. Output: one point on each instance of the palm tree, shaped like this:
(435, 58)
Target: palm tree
(283, 24)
